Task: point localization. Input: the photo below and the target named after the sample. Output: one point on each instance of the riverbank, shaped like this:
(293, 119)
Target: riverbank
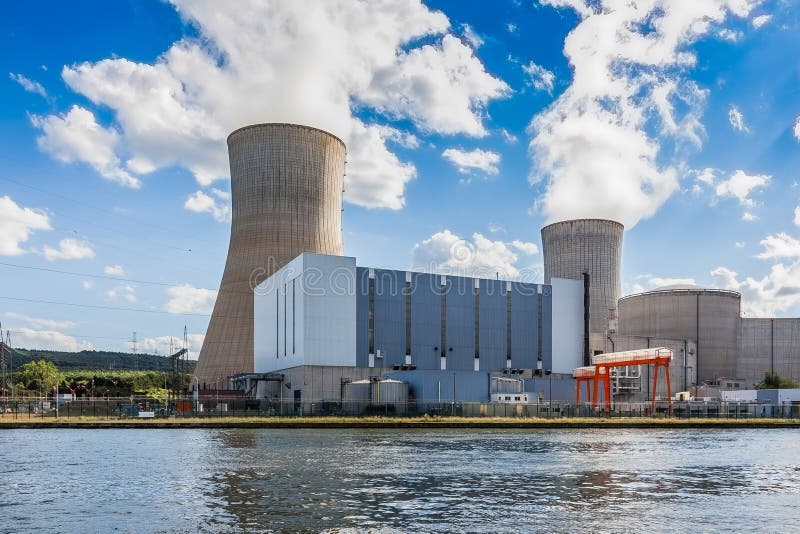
(410, 422)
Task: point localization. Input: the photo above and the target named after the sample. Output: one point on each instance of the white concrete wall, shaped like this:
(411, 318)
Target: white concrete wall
(317, 326)
(329, 313)
(567, 324)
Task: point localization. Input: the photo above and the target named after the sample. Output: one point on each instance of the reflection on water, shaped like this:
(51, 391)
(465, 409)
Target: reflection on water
(430, 480)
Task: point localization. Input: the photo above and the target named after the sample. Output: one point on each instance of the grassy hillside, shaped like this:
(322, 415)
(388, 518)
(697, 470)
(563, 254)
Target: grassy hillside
(98, 359)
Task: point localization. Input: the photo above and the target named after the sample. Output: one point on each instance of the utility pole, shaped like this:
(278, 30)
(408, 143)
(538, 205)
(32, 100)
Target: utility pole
(135, 361)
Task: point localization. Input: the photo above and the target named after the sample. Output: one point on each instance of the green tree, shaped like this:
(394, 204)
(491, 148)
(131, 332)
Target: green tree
(40, 376)
(773, 381)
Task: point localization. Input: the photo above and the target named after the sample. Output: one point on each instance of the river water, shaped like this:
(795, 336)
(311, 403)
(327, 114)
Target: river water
(148, 480)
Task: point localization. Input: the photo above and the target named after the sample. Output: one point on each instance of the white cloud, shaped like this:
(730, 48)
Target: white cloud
(525, 247)
(376, 178)
(69, 249)
(38, 322)
(741, 185)
(218, 205)
(740, 244)
(729, 35)
(187, 299)
(445, 252)
(16, 225)
(736, 119)
(404, 139)
(29, 338)
(496, 228)
(796, 130)
(707, 176)
(508, 136)
(320, 62)
(511, 28)
(657, 281)
(467, 161)
(780, 245)
(602, 145)
(749, 216)
(77, 136)
(87, 284)
(31, 86)
(540, 78)
(114, 270)
(163, 344)
(797, 216)
(443, 88)
(776, 292)
(471, 36)
(760, 20)
(125, 292)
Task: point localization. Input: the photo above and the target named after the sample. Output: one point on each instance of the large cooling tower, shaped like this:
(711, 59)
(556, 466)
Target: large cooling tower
(592, 246)
(286, 187)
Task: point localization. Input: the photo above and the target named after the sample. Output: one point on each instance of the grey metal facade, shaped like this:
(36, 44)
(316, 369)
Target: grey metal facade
(286, 187)
(769, 345)
(593, 246)
(416, 317)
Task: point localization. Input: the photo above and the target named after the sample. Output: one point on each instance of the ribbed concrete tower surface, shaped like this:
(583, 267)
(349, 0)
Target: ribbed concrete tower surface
(592, 246)
(286, 188)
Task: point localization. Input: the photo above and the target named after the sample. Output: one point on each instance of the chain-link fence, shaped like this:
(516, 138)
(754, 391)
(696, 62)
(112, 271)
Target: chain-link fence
(239, 407)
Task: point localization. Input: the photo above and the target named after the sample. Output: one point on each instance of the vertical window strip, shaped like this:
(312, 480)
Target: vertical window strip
(443, 288)
(294, 300)
(371, 316)
(477, 321)
(508, 323)
(408, 318)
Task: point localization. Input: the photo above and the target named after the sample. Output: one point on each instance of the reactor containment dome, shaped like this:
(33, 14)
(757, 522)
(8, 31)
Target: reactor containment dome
(286, 190)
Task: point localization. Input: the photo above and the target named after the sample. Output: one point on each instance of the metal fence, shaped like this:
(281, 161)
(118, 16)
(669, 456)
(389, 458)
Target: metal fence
(187, 407)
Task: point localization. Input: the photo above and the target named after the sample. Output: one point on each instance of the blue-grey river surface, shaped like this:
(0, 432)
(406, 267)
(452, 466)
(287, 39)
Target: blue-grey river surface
(633, 480)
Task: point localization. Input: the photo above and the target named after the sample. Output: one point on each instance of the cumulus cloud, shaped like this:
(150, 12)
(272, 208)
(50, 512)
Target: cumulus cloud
(749, 216)
(780, 245)
(796, 130)
(736, 119)
(163, 344)
(601, 146)
(525, 247)
(657, 281)
(16, 225)
(217, 204)
(123, 292)
(741, 185)
(188, 299)
(740, 244)
(776, 292)
(471, 36)
(320, 62)
(469, 160)
(38, 322)
(447, 253)
(779, 290)
(726, 34)
(539, 77)
(69, 249)
(797, 216)
(31, 86)
(76, 136)
(114, 270)
(760, 20)
(29, 338)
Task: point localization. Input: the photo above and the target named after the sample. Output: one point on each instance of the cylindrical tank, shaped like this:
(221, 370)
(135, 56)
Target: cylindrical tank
(709, 317)
(594, 247)
(392, 393)
(286, 189)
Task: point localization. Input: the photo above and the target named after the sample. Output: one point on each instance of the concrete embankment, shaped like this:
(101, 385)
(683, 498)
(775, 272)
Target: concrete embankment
(401, 423)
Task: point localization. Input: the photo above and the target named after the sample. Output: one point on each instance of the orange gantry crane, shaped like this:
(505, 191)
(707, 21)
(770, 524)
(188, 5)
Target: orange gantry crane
(600, 371)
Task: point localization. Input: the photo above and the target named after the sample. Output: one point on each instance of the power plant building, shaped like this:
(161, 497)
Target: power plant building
(286, 189)
(354, 322)
(305, 321)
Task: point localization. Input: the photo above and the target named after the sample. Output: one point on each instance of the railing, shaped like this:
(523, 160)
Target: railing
(136, 408)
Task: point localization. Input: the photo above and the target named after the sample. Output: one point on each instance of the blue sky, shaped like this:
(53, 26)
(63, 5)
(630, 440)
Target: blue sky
(469, 125)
